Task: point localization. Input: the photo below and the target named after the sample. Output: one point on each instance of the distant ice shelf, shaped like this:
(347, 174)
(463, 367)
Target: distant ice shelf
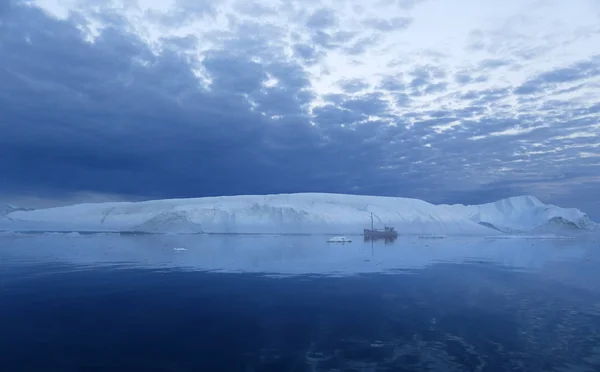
(306, 213)
(531, 237)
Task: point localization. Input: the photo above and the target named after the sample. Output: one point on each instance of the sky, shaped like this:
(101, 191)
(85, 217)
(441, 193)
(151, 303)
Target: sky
(456, 101)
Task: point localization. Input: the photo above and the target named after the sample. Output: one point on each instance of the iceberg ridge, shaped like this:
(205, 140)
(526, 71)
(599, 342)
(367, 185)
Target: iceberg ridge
(523, 213)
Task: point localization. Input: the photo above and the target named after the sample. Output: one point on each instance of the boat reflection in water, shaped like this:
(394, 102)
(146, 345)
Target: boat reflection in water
(386, 240)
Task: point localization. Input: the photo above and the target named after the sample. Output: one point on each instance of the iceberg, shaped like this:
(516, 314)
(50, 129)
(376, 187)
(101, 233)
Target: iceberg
(303, 213)
(522, 214)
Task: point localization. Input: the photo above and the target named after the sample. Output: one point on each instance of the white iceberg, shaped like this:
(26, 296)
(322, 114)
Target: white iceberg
(523, 213)
(309, 213)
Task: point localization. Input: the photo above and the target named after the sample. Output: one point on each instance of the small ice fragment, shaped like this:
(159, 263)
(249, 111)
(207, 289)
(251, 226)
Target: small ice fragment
(432, 236)
(179, 249)
(339, 239)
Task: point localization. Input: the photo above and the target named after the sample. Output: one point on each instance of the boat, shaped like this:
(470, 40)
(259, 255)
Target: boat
(386, 233)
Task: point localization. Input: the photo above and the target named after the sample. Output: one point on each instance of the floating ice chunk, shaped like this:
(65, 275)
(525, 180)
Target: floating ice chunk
(339, 239)
(432, 236)
(179, 249)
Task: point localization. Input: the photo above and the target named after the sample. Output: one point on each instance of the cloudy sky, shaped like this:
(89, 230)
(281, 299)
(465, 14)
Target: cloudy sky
(445, 100)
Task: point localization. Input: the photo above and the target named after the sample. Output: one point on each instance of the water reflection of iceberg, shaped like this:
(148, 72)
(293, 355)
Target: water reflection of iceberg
(285, 255)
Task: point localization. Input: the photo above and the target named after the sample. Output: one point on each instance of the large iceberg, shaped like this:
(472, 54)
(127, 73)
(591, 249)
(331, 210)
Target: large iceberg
(307, 213)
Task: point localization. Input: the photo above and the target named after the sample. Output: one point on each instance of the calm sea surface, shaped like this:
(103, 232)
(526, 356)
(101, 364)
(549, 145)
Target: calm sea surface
(296, 303)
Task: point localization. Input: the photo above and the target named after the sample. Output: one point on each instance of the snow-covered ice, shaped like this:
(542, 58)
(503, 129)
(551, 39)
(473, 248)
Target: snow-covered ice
(309, 213)
(523, 213)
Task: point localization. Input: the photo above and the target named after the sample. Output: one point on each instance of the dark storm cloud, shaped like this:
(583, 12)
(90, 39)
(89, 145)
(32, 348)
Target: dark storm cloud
(112, 117)
(368, 104)
(333, 115)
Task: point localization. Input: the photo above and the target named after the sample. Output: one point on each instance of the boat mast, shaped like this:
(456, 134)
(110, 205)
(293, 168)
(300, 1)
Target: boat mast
(371, 220)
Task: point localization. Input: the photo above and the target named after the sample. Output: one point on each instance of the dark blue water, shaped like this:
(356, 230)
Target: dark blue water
(282, 304)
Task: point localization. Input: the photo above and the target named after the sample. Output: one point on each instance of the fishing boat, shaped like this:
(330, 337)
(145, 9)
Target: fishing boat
(386, 233)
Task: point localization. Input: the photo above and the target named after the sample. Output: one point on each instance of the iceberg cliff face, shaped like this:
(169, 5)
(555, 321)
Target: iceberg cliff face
(296, 214)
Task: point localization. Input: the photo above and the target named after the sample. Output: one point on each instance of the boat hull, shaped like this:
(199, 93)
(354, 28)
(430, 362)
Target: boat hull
(380, 234)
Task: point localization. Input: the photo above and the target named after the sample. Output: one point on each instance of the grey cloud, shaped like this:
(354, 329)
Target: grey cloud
(352, 110)
(307, 53)
(548, 80)
(368, 104)
(392, 83)
(402, 99)
(464, 78)
(179, 43)
(428, 72)
(471, 111)
(427, 80)
(402, 4)
(335, 115)
(361, 45)
(476, 40)
(185, 11)
(494, 63)
(486, 96)
(234, 74)
(253, 8)
(322, 18)
(353, 85)
(387, 25)
(332, 40)
(434, 88)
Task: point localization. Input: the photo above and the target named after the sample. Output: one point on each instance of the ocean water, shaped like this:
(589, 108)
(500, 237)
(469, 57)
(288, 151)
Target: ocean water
(72, 302)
